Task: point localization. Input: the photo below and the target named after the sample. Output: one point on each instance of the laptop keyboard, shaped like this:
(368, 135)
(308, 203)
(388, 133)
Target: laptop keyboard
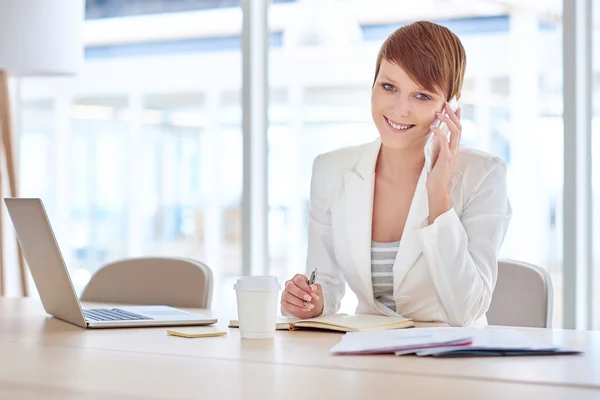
(112, 314)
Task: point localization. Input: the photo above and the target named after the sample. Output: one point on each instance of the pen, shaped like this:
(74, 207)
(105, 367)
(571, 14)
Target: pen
(311, 280)
(313, 277)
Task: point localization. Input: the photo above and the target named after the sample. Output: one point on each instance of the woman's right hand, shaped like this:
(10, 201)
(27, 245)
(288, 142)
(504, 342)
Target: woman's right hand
(300, 299)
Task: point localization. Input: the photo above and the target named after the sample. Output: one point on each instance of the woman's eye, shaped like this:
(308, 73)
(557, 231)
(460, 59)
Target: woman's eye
(387, 86)
(422, 96)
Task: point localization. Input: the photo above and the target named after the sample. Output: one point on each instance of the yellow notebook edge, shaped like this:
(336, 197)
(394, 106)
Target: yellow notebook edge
(341, 328)
(311, 323)
(323, 320)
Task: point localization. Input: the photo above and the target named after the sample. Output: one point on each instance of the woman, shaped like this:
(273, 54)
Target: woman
(407, 241)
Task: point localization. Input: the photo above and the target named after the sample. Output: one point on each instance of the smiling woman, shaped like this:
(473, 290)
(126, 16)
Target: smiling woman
(399, 104)
(424, 245)
(418, 68)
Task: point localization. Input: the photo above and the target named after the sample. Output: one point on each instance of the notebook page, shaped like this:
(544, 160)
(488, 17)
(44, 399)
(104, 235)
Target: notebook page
(359, 321)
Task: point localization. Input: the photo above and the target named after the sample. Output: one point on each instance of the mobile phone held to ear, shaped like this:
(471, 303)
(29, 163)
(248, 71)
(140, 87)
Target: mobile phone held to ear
(429, 146)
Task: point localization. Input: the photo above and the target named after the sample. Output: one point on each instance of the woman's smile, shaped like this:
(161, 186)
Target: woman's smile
(398, 126)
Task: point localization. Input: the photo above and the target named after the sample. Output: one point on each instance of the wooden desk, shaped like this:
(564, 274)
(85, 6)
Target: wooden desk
(54, 359)
(54, 372)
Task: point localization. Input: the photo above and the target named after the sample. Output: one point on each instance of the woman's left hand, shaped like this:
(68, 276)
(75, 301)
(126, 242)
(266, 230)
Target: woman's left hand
(443, 164)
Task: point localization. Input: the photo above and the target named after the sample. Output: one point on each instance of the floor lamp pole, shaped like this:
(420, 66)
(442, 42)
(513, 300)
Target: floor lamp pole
(7, 144)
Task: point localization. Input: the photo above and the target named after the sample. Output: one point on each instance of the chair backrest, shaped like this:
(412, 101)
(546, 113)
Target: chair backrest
(175, 282)
(522, 297)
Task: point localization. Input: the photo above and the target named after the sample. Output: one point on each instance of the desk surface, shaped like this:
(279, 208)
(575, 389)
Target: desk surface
(58, 360)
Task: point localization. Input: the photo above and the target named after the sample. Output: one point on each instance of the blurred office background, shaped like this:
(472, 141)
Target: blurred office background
(142, 152)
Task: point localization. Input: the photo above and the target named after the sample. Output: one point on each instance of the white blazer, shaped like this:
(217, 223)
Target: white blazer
(444, 272)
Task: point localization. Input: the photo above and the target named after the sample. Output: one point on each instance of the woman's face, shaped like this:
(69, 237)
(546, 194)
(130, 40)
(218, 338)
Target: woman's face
(401, 109)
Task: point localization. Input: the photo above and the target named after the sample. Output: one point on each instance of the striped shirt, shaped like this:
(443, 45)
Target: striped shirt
(383, 256)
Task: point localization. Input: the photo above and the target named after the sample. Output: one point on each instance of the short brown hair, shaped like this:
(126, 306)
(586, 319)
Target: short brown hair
(430, 54)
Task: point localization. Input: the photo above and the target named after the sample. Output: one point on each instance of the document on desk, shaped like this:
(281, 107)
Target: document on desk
(388, 342)
(446, 342)
(495, 342)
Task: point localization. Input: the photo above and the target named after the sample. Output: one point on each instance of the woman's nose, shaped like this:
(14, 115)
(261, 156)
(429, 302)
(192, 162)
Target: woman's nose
(400, 108)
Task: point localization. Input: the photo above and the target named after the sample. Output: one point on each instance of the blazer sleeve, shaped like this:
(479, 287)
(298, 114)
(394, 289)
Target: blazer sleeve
(462, 253)
(320, 253)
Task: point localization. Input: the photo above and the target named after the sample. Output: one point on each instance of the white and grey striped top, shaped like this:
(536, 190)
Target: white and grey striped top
(383, 256)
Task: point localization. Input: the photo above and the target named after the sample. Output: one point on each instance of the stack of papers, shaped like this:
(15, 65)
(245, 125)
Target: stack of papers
(389, 342)
(446, 342)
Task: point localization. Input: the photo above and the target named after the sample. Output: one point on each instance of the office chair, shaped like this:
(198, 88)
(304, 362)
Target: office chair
(175, 282)
(522, 297)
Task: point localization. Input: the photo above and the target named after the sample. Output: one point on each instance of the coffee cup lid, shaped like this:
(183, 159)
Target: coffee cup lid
(258, 283)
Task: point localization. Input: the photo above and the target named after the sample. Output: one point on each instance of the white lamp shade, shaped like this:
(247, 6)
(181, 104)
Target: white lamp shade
(41, 37)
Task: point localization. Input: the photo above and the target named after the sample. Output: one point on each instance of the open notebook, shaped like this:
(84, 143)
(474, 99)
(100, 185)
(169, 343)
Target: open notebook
(342, 323)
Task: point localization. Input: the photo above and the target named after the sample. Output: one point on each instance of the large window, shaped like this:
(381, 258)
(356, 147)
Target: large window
(141, 153)
(37, 156)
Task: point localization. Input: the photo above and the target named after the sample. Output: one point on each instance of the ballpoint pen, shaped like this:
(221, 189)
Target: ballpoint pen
(311, 280)
(313, 277)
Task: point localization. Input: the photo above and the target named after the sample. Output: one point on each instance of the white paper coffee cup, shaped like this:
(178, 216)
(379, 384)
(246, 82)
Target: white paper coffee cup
(257, 301)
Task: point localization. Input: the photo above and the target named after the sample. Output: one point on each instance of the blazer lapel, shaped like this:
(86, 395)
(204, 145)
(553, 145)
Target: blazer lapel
(358, 193)
(410, 247)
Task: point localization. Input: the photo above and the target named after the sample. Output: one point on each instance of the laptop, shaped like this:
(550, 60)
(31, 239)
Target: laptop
(51, 277)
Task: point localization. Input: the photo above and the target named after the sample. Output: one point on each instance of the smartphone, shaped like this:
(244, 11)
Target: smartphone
(429, 146)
